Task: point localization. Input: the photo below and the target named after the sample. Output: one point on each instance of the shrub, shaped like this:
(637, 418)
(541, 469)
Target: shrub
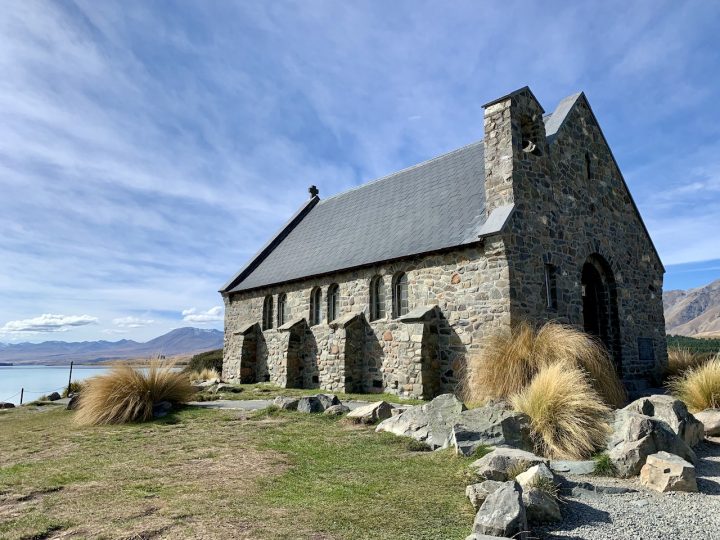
(204, 375)
(510, 360)
(604, 465)
(126, 394)
(207, 360)
(699, 387)
(568, 418)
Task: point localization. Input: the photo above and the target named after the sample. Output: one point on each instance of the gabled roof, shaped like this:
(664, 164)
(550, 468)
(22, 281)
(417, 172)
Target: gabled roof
(435, 205)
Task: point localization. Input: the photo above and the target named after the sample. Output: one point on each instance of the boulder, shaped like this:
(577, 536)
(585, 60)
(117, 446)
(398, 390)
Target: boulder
(477, 493)
(636, 436)
(230, 388)
(372, 412)
(205, 385)
(286, 403)
(573, 467)
(502, 513)
(540, 506)
(337, 410)
(310, 404)
(73, 403)
(430, 423)
(491, 425)
(710, 419)
(161, 409)
(4, 405)
(534, 475)
(665, 472)
(54, 396)
(328, 400)
(494, 466)
(673, 412)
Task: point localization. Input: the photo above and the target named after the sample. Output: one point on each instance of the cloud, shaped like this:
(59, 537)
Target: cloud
(213, 314)
(132, 322)
(47, 323)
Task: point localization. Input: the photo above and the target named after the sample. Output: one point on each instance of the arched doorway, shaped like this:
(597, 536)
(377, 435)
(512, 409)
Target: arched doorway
(600, 310)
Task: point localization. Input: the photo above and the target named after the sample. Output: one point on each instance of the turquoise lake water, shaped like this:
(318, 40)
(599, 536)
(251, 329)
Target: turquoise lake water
(39, 380)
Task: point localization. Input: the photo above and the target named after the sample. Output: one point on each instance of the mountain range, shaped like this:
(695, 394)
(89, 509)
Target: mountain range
(695, 312)
(181, 341)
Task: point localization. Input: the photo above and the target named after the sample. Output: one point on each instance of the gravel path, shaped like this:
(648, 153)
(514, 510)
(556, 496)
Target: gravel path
(645, 515)
(253, 404)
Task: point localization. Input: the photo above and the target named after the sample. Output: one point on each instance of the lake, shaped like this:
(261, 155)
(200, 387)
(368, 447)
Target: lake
(39, 380)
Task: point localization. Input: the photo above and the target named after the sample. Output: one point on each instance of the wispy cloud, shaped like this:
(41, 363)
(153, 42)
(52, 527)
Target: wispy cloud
(132, 322)
(47, 323)
(213, 314)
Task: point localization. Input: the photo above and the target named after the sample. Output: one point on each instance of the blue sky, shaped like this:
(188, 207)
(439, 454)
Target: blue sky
(147, 149)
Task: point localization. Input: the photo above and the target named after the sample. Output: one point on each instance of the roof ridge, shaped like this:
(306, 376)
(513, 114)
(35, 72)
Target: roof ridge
(406, 169)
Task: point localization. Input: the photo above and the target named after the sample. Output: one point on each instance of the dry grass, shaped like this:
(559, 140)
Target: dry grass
(680, 359)
(510, 360)
(206, 374)
(569, 419)
(699, 386)
(126, 394)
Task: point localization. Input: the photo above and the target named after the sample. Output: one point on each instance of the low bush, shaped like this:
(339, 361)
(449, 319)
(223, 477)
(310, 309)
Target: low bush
(511, 359)
(699, 387)
(568, 418)
(207, 360)
(126, 394)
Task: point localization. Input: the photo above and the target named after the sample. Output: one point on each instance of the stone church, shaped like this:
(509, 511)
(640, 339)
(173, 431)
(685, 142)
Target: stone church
(393, 285)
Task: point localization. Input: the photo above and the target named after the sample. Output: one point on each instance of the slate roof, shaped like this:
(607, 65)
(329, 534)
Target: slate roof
(434, 205)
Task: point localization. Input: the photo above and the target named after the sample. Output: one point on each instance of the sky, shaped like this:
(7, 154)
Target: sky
(148, 149)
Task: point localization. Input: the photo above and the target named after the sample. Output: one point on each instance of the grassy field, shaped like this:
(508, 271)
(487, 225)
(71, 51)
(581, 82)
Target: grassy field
(223, 474)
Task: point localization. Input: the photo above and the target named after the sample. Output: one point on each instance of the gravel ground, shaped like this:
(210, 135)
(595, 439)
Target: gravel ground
(645, 515)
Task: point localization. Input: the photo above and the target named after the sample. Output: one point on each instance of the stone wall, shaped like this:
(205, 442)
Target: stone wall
(571, 204)
(469, 286)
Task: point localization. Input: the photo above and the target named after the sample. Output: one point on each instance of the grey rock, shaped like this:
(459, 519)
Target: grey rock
(328, 400)
(710, 419)
(310, 404)
(477, 493)
(161, 409)
(674, 413)
(533, 475)
(502, 513)
(230, 388)
(491, 425)
(54, 396)
(665, 472)
(286, 403)
(430, 423)
(580, 489)
(494, 466)
(73, 403)
(540, 506)
(337, 410)
(5, 405)
(636, 436)
(477, 536)
(372, 412)
(573, 467)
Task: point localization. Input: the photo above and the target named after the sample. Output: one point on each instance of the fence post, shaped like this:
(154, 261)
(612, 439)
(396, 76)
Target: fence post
(22, 391)
(70, 378)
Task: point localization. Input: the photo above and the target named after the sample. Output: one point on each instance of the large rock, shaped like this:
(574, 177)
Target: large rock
(54, 397)
(667, 472)
(228, 388)
(636, 436)
(430, 423)
(502, 513)
(586, 466)
(491, 425)
(337, 410)
(534, 475)
(495, 465)
(328, 400)
(477, 493)
(310, 404)
(4, 405)
(73, 403)
(540, 506)
(710, 419)
(286, 403)
(673, 412)
(372, 412)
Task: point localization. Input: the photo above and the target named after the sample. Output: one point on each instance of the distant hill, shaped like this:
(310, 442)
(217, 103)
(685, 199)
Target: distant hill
(181, 341)
(695, 312)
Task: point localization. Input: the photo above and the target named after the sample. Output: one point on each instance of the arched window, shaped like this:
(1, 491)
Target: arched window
(333, 296)
(282, 301)
(267, 321)
(315, 302)
(377, 298)
(400, 295)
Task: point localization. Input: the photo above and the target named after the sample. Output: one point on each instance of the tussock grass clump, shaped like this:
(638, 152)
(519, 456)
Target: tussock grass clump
(74, 388)
(126, 394)
(568, 418)
(517, 468)
(604, 465)
(680, 359)
(510, 360)
(699, 387)
(206, 374)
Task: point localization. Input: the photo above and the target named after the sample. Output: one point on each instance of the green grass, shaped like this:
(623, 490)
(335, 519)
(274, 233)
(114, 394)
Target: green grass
(706, 346)
(604, 465)
(267, 391)
(220, 474)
